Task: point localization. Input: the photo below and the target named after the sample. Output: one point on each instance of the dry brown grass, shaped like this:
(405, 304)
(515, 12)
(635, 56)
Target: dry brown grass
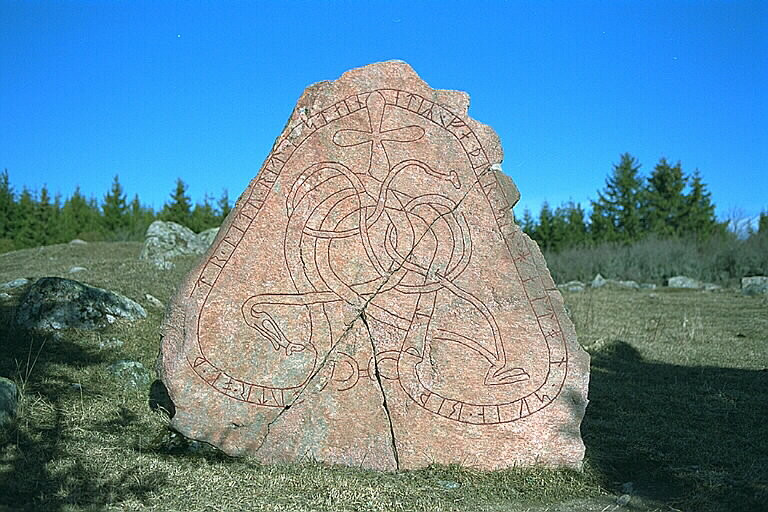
(677, 408)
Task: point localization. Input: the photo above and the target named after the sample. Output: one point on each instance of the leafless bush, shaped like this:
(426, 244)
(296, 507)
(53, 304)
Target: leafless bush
(723, 260)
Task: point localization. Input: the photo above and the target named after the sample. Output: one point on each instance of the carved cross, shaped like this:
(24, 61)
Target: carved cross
(379, 165)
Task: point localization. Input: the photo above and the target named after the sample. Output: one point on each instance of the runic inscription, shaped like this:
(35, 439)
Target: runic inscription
(375, 258)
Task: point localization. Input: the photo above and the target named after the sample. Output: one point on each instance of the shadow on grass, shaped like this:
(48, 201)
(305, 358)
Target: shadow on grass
(39, 468)
(691, 436)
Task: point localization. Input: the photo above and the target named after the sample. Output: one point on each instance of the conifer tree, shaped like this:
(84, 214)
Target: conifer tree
(544, 233)
(224, 206)
(762, 223)
(139, 218)
(179, 209)
(527, 223)
(28, 230)
(203, 216)
(571, 228)
(665, 205)
(80, 218)
(7, 209)
(700, 217)
(601, 224)
(618, 211)
(46, 212)
(115, 210)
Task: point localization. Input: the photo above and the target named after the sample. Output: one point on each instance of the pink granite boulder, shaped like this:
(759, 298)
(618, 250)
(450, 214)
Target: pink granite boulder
(371, 302)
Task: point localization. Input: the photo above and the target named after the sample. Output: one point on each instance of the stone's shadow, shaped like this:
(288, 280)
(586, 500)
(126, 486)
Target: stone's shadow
(159, 399)
(669, 428)
(31, 474)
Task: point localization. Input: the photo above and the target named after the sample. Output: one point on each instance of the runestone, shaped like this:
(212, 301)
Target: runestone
(371, 302)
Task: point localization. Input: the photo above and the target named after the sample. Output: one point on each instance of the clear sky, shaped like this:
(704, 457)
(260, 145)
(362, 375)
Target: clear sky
(157, 90)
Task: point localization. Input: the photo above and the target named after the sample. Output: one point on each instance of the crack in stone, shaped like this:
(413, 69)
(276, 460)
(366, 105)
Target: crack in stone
(320, 367)
(383, 394)
(360, 316)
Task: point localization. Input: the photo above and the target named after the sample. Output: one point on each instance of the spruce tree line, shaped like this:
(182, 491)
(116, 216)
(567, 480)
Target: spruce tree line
(31, 219)
(667, 204)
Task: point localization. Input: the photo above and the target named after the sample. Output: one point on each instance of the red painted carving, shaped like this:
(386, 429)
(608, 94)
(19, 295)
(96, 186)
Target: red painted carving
(329, 203)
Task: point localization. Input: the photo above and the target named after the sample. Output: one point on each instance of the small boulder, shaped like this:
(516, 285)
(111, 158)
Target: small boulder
(572, 286)
(684, 282)
(598, 282)
(167, 240)
(54, 303)
(110, 343)
(647, 286)
(207, 237)
(755, 285)
(77, 241)
(154, 301)
(8, 400)
(75, 270)
(131, 373)
(4, 297)
(16, 283)
(626, 285)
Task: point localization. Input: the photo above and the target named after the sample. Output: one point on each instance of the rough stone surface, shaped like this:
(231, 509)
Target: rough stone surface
(619, 284)
(598, 282)
(572, 286)
(167, 240)
(4, 297)
(371, 302)
(8, 400)
(131, 374)
(207, 237)
(693, 284)
(755, 285)
(110, 343)
(16, 283)
(684, 282)
(154, 301)
(53, 303)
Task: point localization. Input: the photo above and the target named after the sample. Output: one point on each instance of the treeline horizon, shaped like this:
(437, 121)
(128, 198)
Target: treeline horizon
(631, 207)
(668, 203)
(31, 219)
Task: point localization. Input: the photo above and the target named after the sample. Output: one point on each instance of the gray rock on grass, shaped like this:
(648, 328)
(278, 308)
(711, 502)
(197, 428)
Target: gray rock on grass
(690, 283)
(110, 343)
(616, 283)
(598, 282)
(54, 303)
(165, 241)
(16, 283)
(572, 286)
(154, 301)
(208, 236)
(755, 285)
(683, 282)
(133, 374)
(8, 400)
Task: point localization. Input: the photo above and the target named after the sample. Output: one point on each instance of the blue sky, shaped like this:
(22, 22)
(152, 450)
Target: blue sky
(153, 91)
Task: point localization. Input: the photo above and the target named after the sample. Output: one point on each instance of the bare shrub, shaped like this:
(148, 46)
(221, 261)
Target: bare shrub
(721, 259)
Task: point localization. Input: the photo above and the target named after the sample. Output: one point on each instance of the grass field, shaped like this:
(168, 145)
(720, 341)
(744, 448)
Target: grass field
(677, 417)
